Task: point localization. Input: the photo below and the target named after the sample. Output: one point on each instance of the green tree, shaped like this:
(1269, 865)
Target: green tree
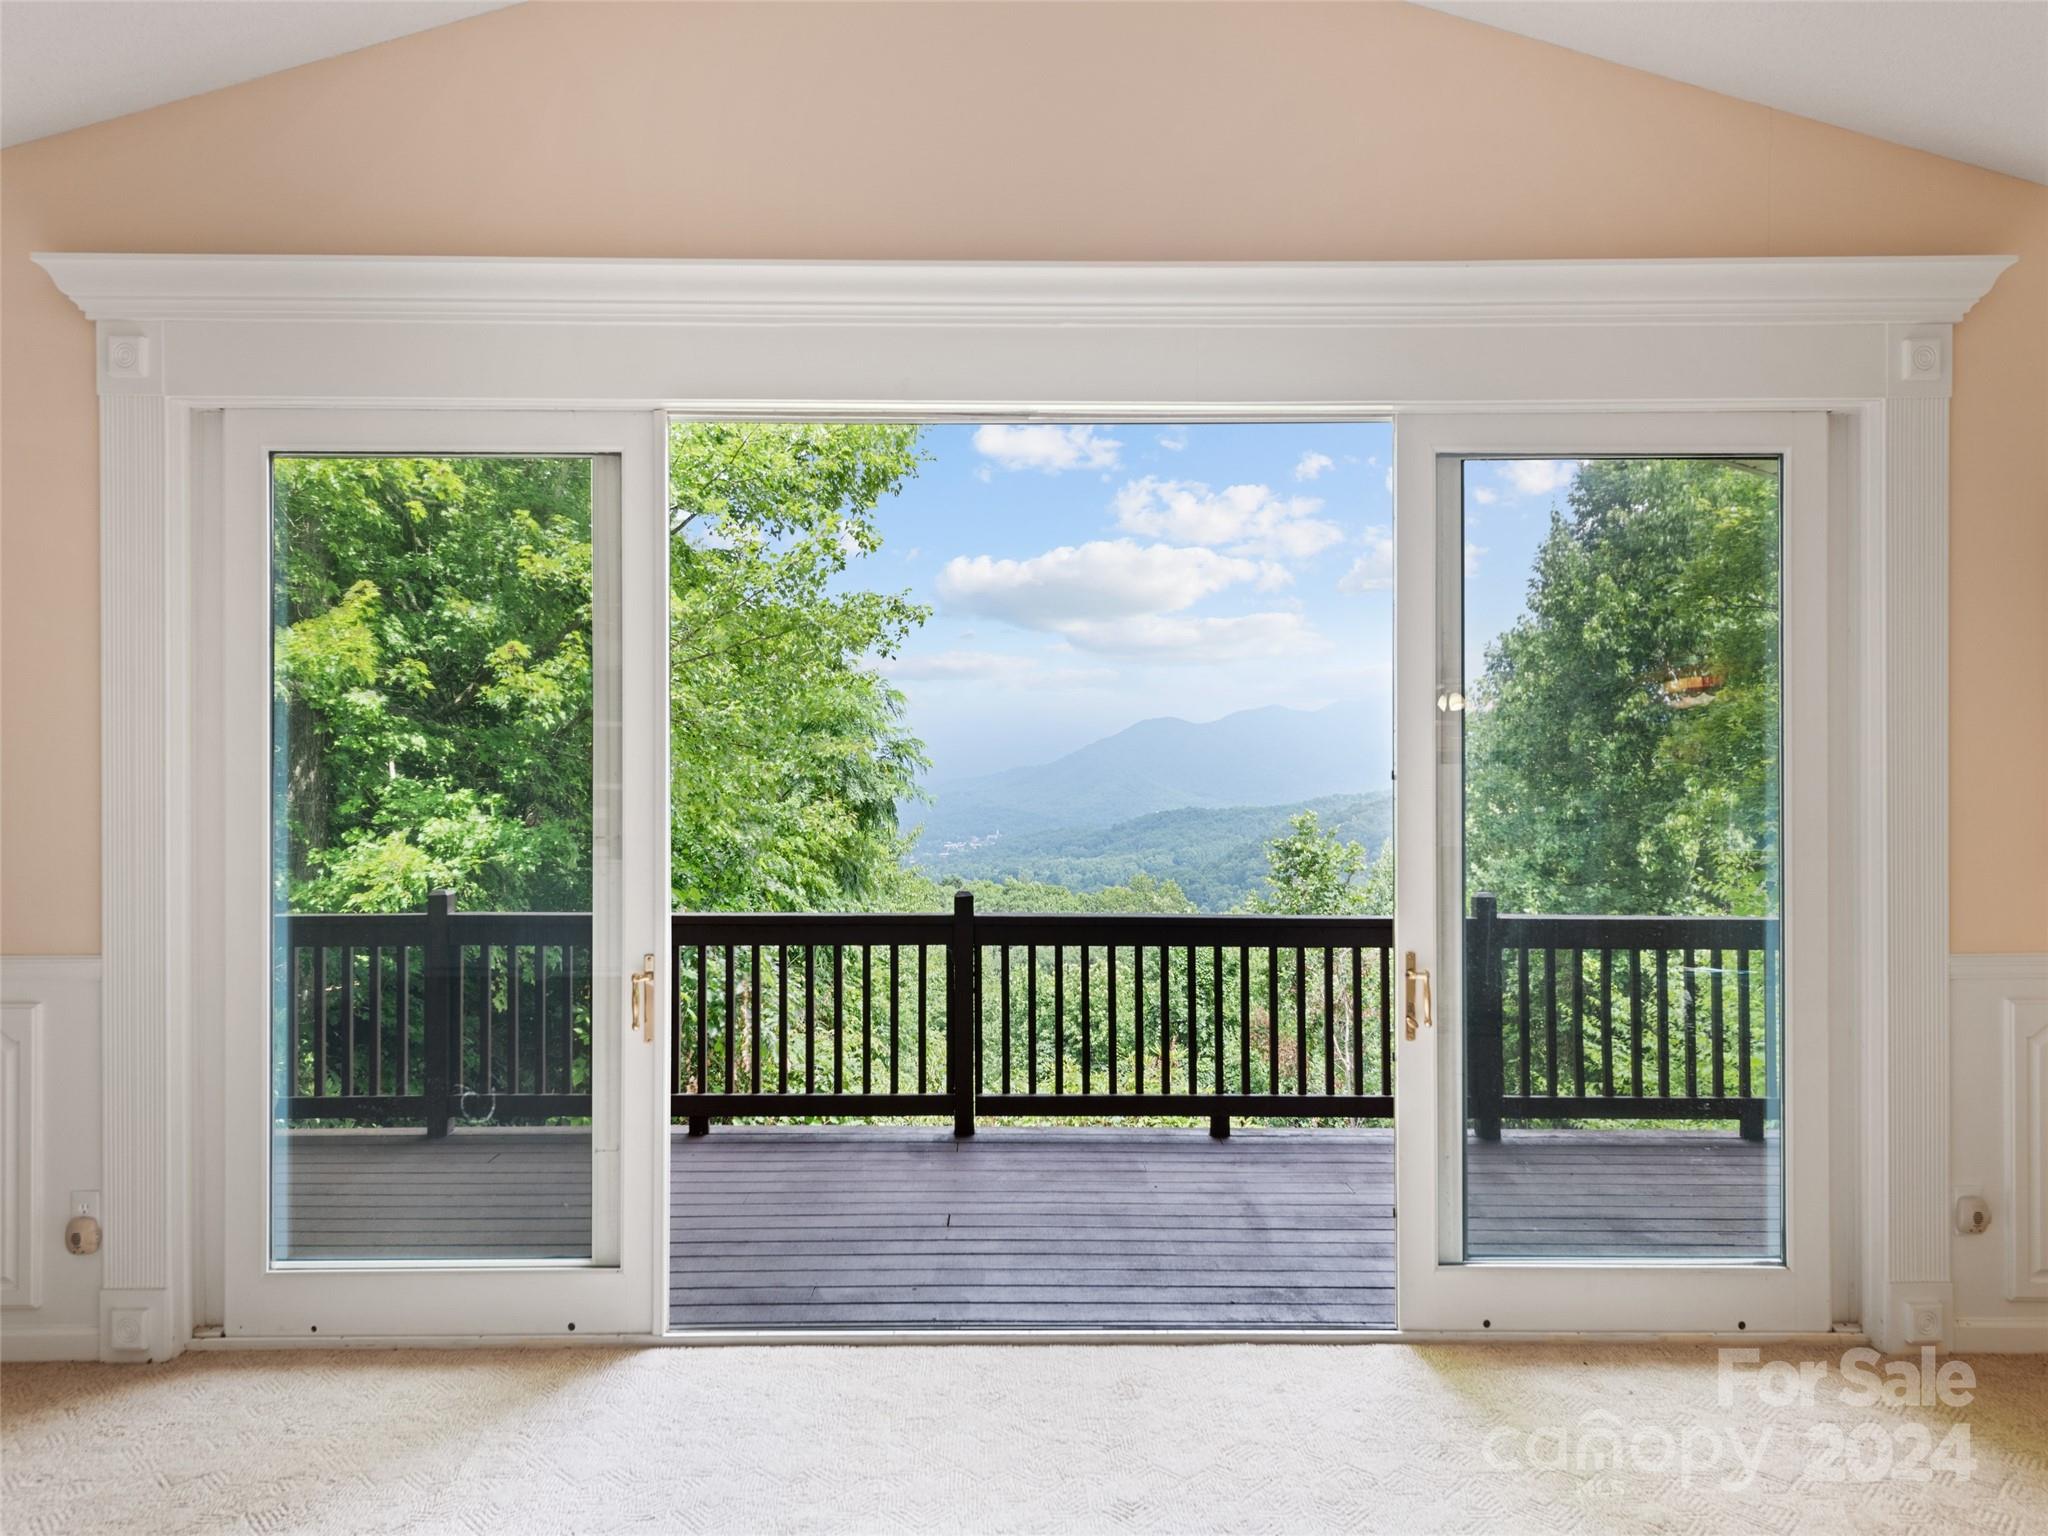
(789, 751)
(1313, 872)
(1621, 749)
(433, 674)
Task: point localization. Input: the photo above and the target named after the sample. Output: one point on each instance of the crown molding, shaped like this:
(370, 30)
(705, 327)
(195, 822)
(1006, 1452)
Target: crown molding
(1916, 290)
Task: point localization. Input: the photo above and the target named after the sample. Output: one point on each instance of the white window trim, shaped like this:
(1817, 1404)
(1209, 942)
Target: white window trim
(1867, 339)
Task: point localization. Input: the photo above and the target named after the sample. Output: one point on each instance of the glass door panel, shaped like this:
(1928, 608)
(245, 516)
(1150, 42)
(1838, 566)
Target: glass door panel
(1612, 705)
(1618, 693)
(443, 707)
(435, 783)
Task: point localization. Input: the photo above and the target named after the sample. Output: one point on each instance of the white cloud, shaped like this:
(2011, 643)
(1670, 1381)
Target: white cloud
(1046, 448)
(1472, 554)
(1312, 464)
(1372, 571)
(1241, 519)
(1174, 439)
(1002, 668)
(1390, 479)
(1184, 638)
(1538, 477)
(1089, 583)
(1485, 496)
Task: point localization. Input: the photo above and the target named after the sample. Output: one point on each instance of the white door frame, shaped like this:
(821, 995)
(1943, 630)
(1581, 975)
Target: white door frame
(1868, 339)
(620, 1290)
(1439, 1290)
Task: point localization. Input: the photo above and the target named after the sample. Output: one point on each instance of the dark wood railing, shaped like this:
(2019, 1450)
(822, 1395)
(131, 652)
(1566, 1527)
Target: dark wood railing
(1636, 1018)
(433, 1016)
(1039, 1015)
(446, 1016)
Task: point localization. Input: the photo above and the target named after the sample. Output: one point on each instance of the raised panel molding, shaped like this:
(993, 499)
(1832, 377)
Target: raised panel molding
(2025, 1059)
(21, 1154)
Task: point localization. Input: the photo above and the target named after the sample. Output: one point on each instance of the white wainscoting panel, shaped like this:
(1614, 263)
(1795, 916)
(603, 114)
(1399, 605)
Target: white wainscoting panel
(2026, 1148)
(1998, 1005)
(21, 1155)
(50, 1144)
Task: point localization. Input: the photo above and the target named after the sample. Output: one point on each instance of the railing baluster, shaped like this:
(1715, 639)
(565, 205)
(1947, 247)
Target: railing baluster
(1663, 1023)
(1273, 1080)
(1220, 1082)
(1742, 1021)
(839, 1018)
(1550, 1019)
(1522, 1019)
(1244, 1019)
(1692, 1027)
(1059, 1019)
(512, 979)
(1357, 1024)
(294, 978)
(320, 1020)
(1031, 1017)
(1770, 1022)
(810, 1020)
(782, 1016)
(895, 1013)
(1004, 992)
(701, 1081)
(1109, 979)
(348, 1019)
(1194, 1052)
(754, 1018)
(1300, 1020)
(1138, 1018)
(1718, 1025)
(867, 1017)
(1387, 1019)
(1165, 1019)
(921, 1079)
(1635, 1023)
(1607, 1022)
(1087, 1052)
(1329, 1022)
(404, 1021)
(1578, 1062)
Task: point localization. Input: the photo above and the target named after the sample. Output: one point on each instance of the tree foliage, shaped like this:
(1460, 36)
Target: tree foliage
(1622, 746)
(433, 674)
(1313, 872)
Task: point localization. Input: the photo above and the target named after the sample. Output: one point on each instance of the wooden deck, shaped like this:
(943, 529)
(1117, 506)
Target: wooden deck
(859, 1227)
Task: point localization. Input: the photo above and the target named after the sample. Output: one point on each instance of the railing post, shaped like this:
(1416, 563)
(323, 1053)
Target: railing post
(1484, 1020)
(443, 1036)
(963, 1070)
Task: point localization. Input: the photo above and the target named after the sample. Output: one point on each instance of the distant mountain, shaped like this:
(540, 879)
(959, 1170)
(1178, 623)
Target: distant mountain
(1217, 855)
(1257, 757)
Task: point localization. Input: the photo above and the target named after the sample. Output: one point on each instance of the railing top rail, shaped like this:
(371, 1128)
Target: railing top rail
(1201, 929)
(810, 927)
(1602, 931)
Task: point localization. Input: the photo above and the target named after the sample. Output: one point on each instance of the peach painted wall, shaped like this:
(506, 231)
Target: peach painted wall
(1104, 131)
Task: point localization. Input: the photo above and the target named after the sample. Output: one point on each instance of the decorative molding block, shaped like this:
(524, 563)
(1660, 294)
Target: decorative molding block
(21, 1154)
(2025, 1058)
(127, 356)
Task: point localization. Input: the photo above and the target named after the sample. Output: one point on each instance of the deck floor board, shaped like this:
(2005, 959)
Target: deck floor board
(852, 1227)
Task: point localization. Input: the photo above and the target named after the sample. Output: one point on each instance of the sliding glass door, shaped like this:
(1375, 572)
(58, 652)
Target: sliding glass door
(449, 849)
(1616, 713)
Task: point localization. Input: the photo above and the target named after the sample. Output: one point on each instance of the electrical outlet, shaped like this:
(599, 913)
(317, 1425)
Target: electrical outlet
(1923, 1322)
(85, 1202)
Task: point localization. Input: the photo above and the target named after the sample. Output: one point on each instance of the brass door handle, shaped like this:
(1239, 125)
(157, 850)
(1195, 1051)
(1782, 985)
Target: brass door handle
(1414, 976)
(643, 999)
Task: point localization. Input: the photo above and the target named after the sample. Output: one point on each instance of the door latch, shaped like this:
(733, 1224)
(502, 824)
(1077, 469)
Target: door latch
(1415, 977)
(643, 999)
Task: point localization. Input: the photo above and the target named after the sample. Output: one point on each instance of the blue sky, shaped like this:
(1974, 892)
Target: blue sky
(1086, 577)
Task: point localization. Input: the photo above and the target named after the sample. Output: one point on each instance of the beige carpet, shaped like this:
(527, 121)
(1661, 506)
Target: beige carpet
(1275, 1438)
